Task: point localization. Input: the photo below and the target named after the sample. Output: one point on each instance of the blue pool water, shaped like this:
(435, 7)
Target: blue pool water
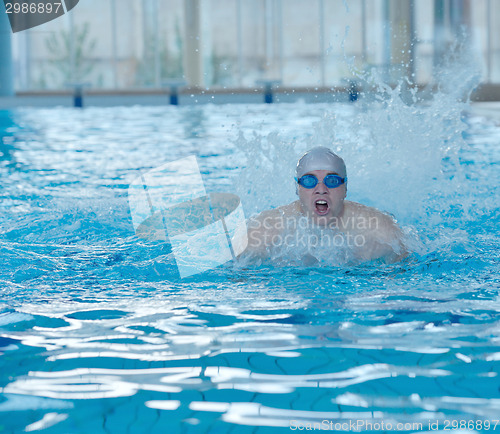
(98, 332)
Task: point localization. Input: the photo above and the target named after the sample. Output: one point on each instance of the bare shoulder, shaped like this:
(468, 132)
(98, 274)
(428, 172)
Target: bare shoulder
(360, 209)
(383, 236)
(367, 218)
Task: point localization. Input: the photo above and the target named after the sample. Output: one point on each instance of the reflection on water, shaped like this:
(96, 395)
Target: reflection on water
(410, 355)
(8, 130)
(98, 333)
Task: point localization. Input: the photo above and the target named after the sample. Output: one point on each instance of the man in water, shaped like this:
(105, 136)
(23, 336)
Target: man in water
(321, 217)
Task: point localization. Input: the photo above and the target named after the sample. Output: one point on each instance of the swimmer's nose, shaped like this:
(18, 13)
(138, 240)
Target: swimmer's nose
(321, 188)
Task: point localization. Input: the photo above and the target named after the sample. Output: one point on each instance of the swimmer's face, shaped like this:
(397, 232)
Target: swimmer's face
(322, 203)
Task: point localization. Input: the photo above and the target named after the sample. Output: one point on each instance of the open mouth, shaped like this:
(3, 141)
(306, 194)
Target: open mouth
(321, 206)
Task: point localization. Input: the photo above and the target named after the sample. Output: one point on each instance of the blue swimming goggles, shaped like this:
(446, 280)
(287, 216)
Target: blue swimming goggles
(331, 181)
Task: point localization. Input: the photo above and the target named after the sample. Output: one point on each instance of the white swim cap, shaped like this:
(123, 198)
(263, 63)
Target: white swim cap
(320, 158)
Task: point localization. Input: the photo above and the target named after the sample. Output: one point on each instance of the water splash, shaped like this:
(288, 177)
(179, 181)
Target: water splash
(402, 149)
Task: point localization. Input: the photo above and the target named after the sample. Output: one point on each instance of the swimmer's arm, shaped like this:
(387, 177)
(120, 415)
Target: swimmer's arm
(261, 230)
(388, 241)
(256, 243)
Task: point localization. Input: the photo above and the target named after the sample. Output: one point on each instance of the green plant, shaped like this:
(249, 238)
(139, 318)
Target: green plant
(170, 63)
(71, 53)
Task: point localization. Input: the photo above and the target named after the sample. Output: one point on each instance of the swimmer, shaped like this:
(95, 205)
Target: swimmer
(321, 184)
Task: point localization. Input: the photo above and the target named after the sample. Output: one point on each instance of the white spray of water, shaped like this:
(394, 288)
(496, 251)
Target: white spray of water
(401, 149)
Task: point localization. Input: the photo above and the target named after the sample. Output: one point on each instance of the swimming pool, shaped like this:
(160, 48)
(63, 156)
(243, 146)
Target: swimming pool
(98, 332)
